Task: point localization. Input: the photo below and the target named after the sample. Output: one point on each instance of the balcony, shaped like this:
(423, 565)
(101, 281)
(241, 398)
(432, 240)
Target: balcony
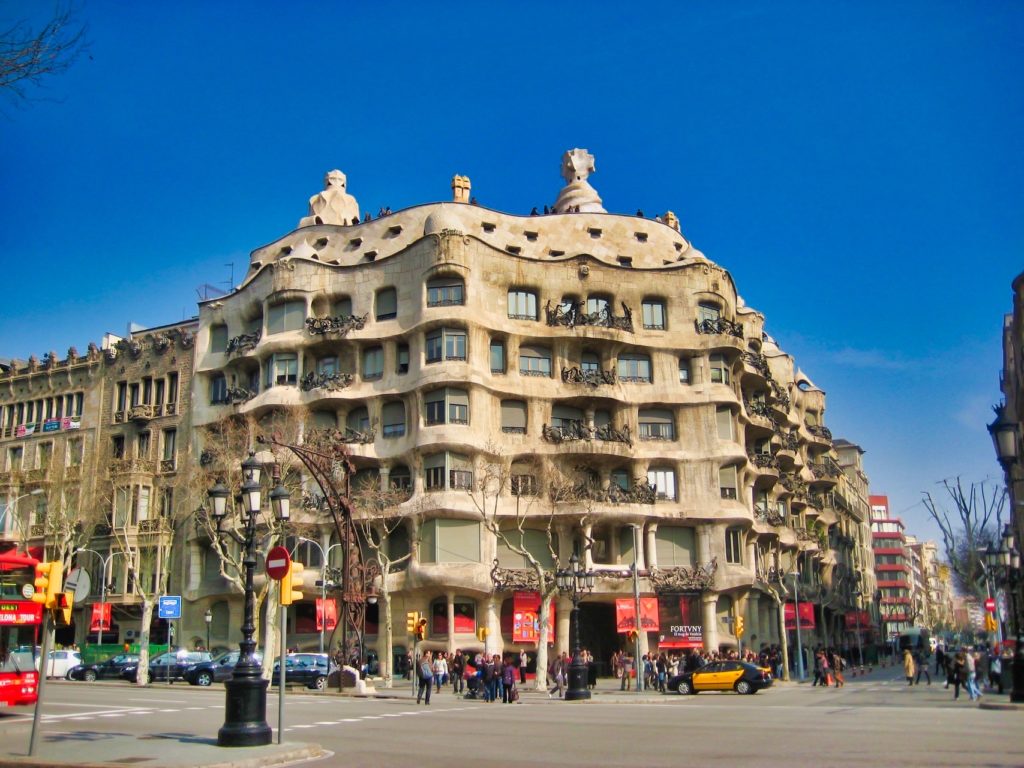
(156, 525)
(132, 466)
(167, 466)
(37, 531)
(760, 409)
(765, 462)
(719, 326)
(577, 430)
(769, 515)
(821, 432)
(826, 469)
(35, 475)
(573, 314)
(641, 492)
(143, 412)
(73, 472)
(780, 398)
(757, 363)
(591, 377)
(331, 382)
(341, 325)
(244, 342)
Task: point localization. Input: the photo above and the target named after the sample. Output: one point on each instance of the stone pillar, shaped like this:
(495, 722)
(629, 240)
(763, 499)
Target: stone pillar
(563, 640)
(588, 557)
(651, 555)
(461, 187)
(704, 543)
(493, 626)
(754, 622)
(709, 609)
(385, 478)
(450, 605)
(638, 542)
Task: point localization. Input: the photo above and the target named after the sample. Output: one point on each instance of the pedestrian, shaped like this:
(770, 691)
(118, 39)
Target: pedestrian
(558, 670)
(970, 664)
(426, 678)
(819, 676)
(908, 666)
(440, 671)
(838, 664)
(509, 682)
(940, 661)
(995, 672)
(523, 661)
(959, 673)
(458, 670)
(922, 667)
(626, 663)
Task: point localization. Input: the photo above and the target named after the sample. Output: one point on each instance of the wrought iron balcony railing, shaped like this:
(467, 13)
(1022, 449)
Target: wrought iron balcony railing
(758, 362)
(764, 460)
(826, 468)
(578, 430)
(769, 515)
(819, 430)
(340, 325)
(592, 377)
(572, 314)
(719, 326)
(332, 382)
(759, 408)
(244, 342)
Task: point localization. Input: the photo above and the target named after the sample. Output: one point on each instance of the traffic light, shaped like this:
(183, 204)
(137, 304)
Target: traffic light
(421, 629)
(412, 619)
(739, 626)
(49, 577)
(481, 634)
(991, 624)
(291, 584)
(63, 603)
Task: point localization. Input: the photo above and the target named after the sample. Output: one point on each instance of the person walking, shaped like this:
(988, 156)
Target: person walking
(972, 679)
(838, 665)
(959, 673)
(523, 661)
(458, 671)
(626, 663)
(426, 678)
(440, 671)
(908, 666)
(509, 682)
(922, 667)
(819, 676)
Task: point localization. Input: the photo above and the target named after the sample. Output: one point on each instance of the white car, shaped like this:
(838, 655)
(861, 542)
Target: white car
(62, 661)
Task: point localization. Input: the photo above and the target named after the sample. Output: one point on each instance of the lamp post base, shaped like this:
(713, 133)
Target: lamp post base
(577, 689)
(1017, 692)
(245, 713)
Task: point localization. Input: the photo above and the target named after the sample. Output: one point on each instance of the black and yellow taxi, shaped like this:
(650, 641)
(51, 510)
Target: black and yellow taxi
(730, 675)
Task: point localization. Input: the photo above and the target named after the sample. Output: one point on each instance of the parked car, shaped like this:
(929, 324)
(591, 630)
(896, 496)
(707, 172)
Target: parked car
(736, 676)
(170, 665)
(103, 670)
(309, 669)
(61, 661)
(216, 670)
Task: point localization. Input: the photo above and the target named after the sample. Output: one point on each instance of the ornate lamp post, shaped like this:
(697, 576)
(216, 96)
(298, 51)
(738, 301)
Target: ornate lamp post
(575, 581)
(208, 618)
(1004, 565)
(245, 716)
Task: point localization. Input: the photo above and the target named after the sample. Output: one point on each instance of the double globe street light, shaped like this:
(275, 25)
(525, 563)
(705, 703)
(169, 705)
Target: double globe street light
(575, 581)
(245, 716)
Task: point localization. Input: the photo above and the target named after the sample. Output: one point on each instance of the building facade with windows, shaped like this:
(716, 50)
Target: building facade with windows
(893, 570)
(574, 383)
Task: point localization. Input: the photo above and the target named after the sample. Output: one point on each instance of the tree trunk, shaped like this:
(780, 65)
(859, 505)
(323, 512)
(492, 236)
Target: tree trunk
(384, 658)
(541, 683)
(783, 639)
(142, 673)
(271, 624)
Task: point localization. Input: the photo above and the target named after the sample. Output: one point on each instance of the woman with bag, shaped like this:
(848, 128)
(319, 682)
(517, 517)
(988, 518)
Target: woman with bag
(426, 678)
(508, 682)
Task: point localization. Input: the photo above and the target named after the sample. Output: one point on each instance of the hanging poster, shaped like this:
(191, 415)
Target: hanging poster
(625, 614)
(331, 609)
(526, 618)
(806, 616)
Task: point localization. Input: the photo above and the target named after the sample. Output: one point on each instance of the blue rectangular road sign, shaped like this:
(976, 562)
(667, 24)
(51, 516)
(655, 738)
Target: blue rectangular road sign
(169, 607)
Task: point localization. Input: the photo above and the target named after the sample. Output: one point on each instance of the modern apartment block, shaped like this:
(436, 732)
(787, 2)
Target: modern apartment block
(893, 570)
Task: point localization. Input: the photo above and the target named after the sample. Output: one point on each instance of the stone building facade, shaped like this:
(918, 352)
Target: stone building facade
(609, 371)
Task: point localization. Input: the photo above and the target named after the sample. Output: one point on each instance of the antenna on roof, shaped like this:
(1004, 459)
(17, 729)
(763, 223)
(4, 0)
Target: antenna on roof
(231, 281)
(207, 291)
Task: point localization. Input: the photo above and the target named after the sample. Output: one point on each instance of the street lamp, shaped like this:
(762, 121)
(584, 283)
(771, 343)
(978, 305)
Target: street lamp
(574, 581)
(103, 584)
(245, 719)
(208, 618)
(1004, 565)
(796, 615)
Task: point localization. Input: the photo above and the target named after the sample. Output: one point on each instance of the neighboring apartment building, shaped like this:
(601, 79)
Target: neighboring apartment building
(607, 367)
(1011, 385)
(893, 570)
(864, 618)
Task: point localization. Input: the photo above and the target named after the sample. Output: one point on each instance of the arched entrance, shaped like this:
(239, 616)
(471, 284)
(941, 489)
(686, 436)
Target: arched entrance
(597, 634)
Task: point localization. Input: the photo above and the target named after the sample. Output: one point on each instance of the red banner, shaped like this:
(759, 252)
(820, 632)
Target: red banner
(332, 614)
(18, 612)
(100, 617)
(625, 614)
(526, 618)
(806, 616)
(854, 623)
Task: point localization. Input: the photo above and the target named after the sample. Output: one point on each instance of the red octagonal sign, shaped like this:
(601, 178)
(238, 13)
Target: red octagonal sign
(990, 605)
(277, 563)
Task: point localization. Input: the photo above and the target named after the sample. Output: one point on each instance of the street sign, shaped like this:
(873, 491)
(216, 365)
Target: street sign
(990, 604)
(278, 561)
(169, 607)
(78, 581)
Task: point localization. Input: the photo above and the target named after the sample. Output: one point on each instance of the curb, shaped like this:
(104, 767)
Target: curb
(1001, 707)
(249, 757)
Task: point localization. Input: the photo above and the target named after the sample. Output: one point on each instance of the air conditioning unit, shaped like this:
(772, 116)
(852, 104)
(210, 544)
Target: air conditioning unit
(129, 634)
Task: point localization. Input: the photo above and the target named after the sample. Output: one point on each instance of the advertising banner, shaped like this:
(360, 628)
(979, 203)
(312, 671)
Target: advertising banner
(625, 614)
(100, 617)
(17, 612)
(526, 618)
(679, 618)
(51, 425)
(854, 623)
(806, 616)
(331, 609)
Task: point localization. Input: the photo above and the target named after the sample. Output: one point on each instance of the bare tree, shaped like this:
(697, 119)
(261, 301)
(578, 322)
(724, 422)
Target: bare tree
(29, 56)
(380, 517)
(965, 535)
(770, 575)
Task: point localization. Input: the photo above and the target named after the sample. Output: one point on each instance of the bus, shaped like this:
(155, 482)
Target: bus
(21, 622)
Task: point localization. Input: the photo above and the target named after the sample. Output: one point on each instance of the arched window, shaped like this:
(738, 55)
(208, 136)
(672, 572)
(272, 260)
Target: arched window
(393, 418)
(358, 419)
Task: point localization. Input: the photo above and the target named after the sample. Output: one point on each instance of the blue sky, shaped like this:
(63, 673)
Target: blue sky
(856, 166)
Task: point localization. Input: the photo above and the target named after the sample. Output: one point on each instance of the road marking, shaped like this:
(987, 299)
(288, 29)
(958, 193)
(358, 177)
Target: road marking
(326, 722)
(162, 701)
(350, 720)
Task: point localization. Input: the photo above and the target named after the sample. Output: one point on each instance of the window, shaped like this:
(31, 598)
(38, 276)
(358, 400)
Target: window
(522, 305)
(143, 445)
(403, 358)
(218, 389)
(393, 418)
(656, 424)
(590, 362)
(566, 417)
(324, 419)
(685, 376)
(14, 456)
(708, 312)
(45, 455)
(513, 417)
(653, 314)
(400, 478)
(733, 545)
(373, 363)
(287, 316)
(342, 307)
(620, 478)
(170, 441)
(675, 546)
(723, 418)
(452, 468)
(76, 451)
(534, 361)
(218, 338)
(450, 541)
(598, 305)
(719, 369)
(116, 447)
(387, 304)
(142, 494)
(727, 482)
(446, 406)
(358, 420)
(664, 482)
(497, 356)
(635, 368)
(445, 292)
(446, 344)
(327, 366)
(284, 370)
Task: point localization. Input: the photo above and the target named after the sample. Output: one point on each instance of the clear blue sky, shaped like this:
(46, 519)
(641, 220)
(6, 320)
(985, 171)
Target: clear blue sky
(856, 166)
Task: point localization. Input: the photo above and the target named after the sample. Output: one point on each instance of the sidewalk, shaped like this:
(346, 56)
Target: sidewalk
(175, 750)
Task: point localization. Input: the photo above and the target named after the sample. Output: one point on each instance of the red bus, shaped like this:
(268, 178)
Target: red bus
(20, 623)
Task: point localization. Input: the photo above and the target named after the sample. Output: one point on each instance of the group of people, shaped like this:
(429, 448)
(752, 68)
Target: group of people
(829, 666)
(489, 677)
(967, 668)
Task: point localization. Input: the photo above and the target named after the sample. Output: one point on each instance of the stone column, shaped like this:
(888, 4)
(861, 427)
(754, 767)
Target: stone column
(754, 621)
(651, 555)
(385, 478)
(638, 541)
(493, 625)
(450, 604)
(704, 543)
(563, 640)
(588, 558)
(709, 610)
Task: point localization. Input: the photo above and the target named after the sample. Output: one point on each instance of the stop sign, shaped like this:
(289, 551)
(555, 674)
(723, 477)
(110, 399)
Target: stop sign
(277, 563)
(990, 605)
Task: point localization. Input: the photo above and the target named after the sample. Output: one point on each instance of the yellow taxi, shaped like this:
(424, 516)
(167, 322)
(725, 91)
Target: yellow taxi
(739, 676)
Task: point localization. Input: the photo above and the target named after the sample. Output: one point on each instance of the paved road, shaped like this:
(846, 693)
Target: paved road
(874, 721)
